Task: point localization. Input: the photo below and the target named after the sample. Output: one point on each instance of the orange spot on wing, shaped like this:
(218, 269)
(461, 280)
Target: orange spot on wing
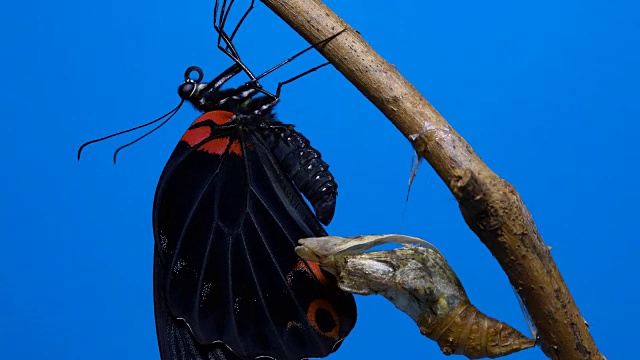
(322, 304)
(312, 270)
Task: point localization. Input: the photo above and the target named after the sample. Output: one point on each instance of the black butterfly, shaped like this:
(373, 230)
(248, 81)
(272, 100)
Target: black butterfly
(226, 217)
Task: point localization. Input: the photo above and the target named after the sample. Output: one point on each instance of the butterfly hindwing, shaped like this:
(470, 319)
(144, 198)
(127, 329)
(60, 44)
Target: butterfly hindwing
(174, 336)
(226, 221)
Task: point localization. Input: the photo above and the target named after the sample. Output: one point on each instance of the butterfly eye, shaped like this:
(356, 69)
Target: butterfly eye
(187, 89)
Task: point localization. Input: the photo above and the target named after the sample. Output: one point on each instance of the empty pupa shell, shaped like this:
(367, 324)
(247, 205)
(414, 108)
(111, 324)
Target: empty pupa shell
(420, 282)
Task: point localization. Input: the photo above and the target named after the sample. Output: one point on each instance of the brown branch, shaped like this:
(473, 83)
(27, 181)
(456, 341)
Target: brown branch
(491, 206)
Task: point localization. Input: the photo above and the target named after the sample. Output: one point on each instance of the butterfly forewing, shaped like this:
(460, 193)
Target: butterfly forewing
(226, 221)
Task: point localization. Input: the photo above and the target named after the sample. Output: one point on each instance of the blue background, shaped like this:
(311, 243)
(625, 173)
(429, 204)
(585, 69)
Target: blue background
(546, 92)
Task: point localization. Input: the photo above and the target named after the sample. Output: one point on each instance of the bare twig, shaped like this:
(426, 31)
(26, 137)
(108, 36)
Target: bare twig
(490, 206)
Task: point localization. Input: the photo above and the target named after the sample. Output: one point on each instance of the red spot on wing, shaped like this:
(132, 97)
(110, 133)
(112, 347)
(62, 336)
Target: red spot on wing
(215, 146)
(312, 269)
(219, 117)
(235, 148)
(220, 146)
(325, 306)
(321, 314)
(198, 134)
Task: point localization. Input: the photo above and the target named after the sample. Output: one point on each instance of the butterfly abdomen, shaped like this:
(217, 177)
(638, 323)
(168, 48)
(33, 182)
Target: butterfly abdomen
(304, 166)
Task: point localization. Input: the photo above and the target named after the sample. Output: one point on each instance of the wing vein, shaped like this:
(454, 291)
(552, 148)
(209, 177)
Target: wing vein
(260, 295)
(196, 205)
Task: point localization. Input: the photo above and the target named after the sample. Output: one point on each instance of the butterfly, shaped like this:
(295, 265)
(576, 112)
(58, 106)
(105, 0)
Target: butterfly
(227, 214)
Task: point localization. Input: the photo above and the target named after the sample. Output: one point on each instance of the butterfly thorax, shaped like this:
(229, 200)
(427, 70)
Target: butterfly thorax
(241, 101)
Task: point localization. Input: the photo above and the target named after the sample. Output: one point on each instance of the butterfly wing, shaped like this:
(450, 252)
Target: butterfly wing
(174, 337)
(226, 221)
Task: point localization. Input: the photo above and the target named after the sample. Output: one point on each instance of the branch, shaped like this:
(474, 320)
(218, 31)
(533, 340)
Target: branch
(491, 206)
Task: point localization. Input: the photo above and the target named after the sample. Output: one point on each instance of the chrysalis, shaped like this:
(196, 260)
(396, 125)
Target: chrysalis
(420, 282)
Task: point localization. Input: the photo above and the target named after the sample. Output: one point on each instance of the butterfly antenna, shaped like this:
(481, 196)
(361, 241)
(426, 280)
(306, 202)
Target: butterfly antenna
(129, 130)
(170, 114)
